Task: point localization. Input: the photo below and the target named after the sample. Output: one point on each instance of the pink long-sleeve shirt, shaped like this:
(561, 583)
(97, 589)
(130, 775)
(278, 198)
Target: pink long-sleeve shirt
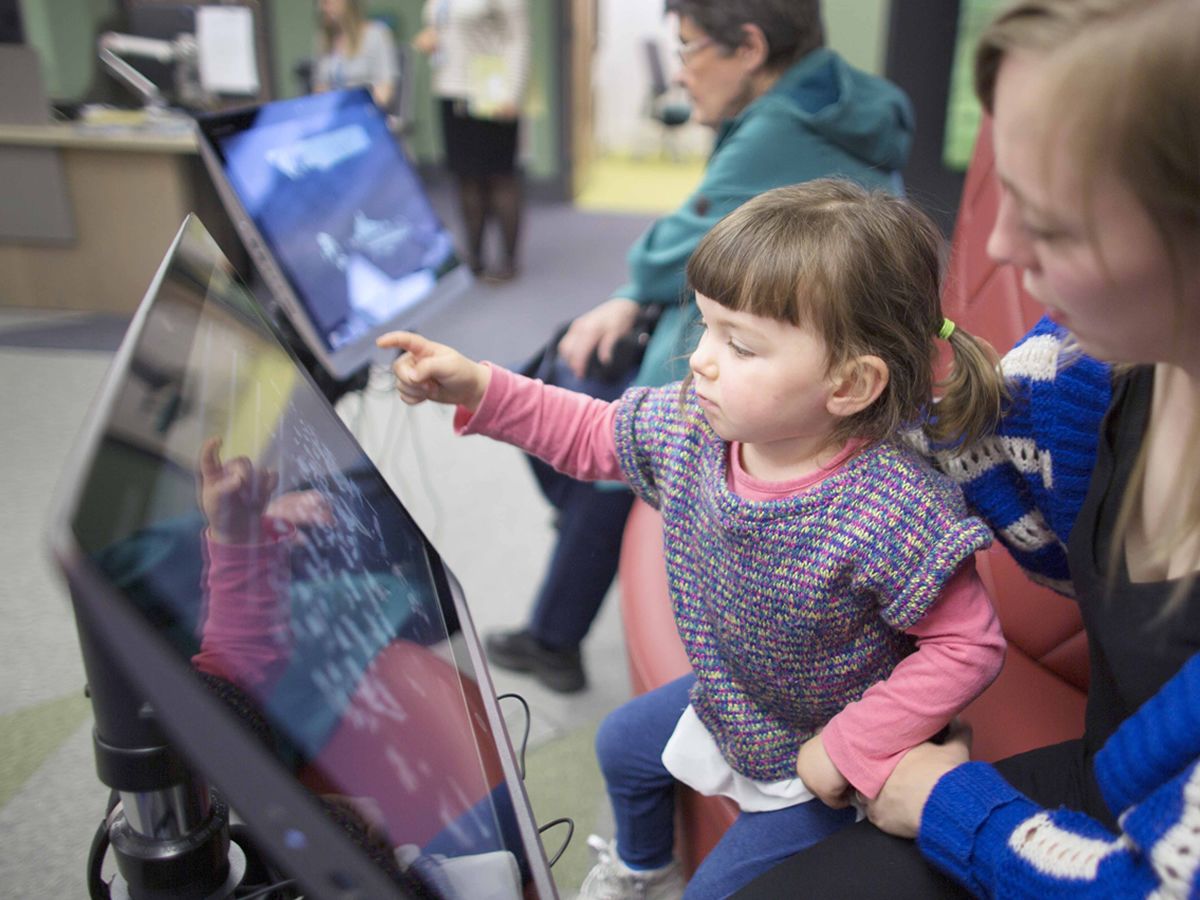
(959, 644)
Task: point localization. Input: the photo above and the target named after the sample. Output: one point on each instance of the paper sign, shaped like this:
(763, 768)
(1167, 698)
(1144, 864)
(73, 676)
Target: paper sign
(225, 41)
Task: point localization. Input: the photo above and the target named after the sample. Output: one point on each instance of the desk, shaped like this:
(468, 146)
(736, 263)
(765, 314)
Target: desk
(129, 190)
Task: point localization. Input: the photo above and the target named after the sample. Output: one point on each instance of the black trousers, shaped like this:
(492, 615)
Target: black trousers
(862, 862)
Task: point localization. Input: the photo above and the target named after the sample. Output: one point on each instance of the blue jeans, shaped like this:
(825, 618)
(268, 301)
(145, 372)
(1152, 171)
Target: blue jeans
(591, 520)
(629, 746)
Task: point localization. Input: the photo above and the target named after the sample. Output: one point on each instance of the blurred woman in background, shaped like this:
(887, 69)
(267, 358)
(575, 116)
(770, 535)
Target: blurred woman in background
(479, 51)
(353, 50)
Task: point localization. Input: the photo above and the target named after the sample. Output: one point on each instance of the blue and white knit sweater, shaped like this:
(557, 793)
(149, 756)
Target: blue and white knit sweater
(1029, 479)
(998, 843)
(1030, 482)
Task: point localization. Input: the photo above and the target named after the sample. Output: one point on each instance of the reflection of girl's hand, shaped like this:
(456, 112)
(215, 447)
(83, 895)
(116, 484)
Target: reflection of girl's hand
(301, 508)
(233, 495)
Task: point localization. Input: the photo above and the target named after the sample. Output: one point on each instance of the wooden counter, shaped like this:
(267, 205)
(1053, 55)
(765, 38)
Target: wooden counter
(128, 189)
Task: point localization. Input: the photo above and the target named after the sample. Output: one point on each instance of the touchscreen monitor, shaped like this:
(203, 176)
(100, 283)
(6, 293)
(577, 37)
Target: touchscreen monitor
(220, 525)
(335, 219)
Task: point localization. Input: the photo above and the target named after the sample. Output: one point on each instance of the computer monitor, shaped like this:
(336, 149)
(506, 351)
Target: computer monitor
(305, 591)
(335, 219)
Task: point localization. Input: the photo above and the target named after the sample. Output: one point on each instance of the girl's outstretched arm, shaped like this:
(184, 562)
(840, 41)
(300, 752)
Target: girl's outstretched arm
(572, 432)
(426, 370)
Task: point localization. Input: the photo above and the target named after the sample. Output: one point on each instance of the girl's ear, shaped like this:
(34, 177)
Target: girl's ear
(856, 385)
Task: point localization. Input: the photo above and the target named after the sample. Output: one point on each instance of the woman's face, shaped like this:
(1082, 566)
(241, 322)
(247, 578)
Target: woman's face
(332, 11)
(1102, 271)
(717, 79)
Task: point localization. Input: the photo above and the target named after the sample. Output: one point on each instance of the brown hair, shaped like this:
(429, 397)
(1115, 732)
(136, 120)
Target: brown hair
(1125, 101)
(351, 25)
(862, 270)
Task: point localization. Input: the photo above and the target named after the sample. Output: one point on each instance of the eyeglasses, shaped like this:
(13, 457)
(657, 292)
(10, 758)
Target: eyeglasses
(685, 52)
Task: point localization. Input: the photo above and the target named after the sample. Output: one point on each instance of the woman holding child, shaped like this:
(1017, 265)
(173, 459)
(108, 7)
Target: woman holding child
(1097, 141)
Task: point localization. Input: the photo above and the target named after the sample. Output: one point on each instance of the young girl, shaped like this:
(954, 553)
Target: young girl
(820, 571)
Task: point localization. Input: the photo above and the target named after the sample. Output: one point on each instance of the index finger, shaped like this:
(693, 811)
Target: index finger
(402, 340)
(210, 458)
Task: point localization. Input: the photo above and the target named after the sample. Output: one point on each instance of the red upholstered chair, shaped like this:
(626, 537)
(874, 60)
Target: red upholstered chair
(1039, 696)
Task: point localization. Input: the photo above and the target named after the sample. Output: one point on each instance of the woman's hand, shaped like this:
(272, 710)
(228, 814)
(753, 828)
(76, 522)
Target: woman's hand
(431, 371)
(425, 41)
(506, 111)
(597, 330)
(897, 809)
(821, 776)
(233, 495)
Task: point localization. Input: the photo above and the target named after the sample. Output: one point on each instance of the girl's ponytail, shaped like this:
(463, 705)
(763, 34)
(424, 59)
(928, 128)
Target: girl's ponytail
(973, 393)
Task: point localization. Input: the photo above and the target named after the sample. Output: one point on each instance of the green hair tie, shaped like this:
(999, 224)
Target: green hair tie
(946, 330)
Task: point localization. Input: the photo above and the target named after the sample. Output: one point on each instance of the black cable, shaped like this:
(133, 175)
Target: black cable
(524, 735)
(97, 886)
(566, 841)
(269, 889)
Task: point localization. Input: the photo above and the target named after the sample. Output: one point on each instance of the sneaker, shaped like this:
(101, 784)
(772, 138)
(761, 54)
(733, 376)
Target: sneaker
(520, 651)
(611, 879)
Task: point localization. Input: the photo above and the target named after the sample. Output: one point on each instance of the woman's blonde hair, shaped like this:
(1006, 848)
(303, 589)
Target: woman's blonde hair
(861, 269)
(351, 25)
(1125, 101)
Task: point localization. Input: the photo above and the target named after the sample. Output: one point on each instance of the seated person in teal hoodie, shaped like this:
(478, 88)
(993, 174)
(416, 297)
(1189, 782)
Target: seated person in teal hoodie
(786, 109)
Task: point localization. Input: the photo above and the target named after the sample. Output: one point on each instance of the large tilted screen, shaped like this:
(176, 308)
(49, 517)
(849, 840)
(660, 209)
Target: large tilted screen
(232, 546)
(335, 219)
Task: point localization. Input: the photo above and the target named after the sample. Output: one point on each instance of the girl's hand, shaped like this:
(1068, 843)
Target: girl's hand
(430, 371)
(233, 495)
(821, 776)
(897, 809)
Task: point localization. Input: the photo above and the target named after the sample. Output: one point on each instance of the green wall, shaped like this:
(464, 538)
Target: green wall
(64, 34)
(857, 29)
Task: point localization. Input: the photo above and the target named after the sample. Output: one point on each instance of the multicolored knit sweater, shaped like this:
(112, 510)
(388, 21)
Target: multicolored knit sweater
(789, 610)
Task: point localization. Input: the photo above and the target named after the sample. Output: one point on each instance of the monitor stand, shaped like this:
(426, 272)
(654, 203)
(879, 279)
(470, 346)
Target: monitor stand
(166, 829)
